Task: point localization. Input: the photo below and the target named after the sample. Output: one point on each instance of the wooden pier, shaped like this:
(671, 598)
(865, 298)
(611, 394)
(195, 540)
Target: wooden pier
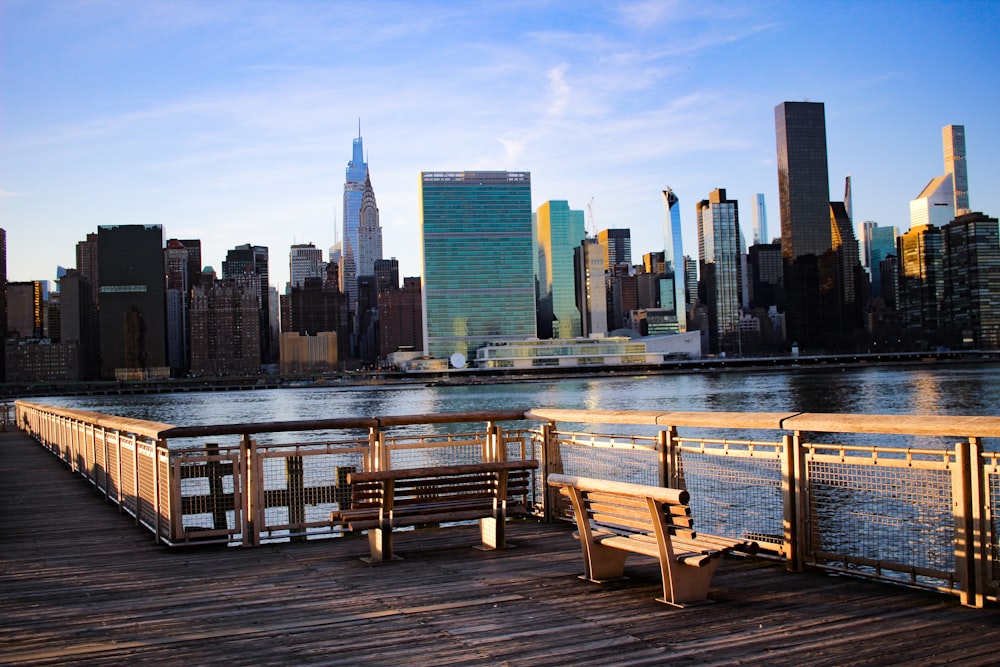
(81, 584)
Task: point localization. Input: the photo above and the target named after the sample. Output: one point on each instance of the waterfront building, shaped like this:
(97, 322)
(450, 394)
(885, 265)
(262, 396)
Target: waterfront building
(225, 329)
(249, 264)
(617, 247)
(673, 256)
(316, 307)
(972, 281)
(566, 353)
(591, 295)
(308, 354)
(132, 304)
(719, 266)
(560, 231)
(400, 318)
(305, 260)
(478, 257)
(760, 220)
(953, 139)
(920, 253)
(354, 190)
(369, 232)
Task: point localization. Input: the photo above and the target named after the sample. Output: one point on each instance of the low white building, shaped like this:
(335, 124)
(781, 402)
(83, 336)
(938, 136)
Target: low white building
(576, 352)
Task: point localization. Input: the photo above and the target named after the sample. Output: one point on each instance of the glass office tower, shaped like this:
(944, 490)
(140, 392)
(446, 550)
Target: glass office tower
(803, 178)
(673, 255)
(478, 250)
(560, 232)
(719, 258)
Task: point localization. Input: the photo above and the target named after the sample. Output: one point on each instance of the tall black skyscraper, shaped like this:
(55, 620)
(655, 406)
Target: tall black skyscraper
(132, 300)
(806, 230)
(803, 178)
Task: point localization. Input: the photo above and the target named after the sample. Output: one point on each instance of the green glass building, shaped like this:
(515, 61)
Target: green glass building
(478, 252)
(560, 233)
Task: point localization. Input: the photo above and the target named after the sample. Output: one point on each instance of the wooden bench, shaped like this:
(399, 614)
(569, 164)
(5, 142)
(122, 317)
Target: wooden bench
(388, 499)
(615, 519)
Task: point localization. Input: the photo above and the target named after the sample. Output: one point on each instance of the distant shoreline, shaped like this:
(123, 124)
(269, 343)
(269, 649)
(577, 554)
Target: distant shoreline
(12, 391)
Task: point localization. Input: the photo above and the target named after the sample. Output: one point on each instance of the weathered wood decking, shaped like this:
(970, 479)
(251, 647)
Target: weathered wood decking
(80, 584)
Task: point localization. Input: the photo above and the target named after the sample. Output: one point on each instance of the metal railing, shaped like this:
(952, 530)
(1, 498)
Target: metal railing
(910, 500)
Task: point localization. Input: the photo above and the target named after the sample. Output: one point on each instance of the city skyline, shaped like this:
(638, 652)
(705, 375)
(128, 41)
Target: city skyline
(230, 125)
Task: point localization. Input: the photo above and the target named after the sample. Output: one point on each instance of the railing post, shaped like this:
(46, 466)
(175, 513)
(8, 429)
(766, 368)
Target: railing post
(378, 454)
(250, 480)
(670, 459)
(793, 499)
(970, 548)
(551, 464)
(156, 487)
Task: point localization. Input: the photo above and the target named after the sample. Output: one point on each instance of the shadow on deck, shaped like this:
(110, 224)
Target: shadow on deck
(79, 583)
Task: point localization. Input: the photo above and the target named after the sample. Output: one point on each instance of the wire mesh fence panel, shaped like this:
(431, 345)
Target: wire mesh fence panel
(882, 517)
(991, 462)
(301, 485)
(623, 458)
(737, 496)
(436, 450)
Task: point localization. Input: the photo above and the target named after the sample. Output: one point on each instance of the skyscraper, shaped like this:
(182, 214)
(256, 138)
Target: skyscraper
(953, 138)
(132, 307)
(803, 178)
(369, 232)
(354, 190)
(305, 260)
(560, 232)
(760, 220)
(972, 281)
(673, 251)
(617, 245)
(719, 258)
(247, 264)
(935, 205)
(921, 280)
(478, 249)
(591, 295)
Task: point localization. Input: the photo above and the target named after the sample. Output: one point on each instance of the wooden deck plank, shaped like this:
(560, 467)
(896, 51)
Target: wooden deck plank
(79, 582)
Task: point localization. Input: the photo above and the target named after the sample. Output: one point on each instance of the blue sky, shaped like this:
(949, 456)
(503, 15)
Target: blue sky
(232, 122)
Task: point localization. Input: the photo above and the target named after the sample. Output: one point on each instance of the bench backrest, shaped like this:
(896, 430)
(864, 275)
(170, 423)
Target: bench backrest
(624, 508)
(472, 484)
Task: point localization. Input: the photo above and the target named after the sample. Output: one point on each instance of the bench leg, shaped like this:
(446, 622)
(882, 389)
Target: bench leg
(602, 563)
(380, 543)
(685, 585)
(493, 533)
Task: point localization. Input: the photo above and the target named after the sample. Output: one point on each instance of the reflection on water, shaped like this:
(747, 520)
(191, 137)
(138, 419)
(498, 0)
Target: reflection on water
(917, 390)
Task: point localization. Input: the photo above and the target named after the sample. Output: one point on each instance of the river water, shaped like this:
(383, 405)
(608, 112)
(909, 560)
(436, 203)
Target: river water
(931, 389)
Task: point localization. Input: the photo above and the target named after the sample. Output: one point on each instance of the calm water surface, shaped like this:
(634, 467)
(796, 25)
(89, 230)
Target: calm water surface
(931, 390)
